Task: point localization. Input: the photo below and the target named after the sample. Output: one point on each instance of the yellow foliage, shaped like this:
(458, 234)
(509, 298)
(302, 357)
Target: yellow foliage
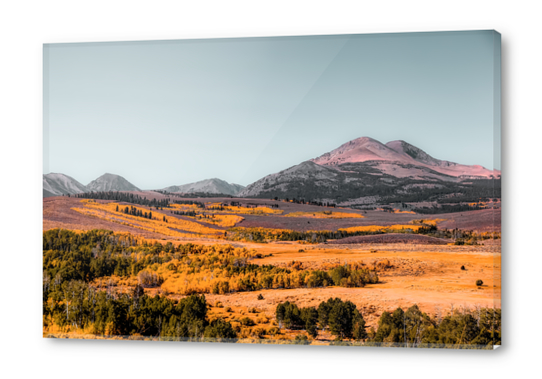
(184, 207)
(226, 221)
(481, 204)
(173, 227)
(325, 214)
(252, 211)
(428, 221)
(379, 228)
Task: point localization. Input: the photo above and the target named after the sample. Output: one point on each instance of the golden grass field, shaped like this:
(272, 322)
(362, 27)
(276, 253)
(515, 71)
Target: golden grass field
(424, 275)
(427, 275)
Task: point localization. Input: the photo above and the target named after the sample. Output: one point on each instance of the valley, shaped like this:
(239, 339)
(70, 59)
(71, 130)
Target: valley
(280, 234)
(370, 244)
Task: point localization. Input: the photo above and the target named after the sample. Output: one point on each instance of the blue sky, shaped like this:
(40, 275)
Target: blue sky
(162, 113)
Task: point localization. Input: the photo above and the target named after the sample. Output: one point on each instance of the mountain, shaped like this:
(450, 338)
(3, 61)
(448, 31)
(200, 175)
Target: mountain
(302, 179)
(366, 149)
(359, 150)
(111, 182)
(214, 186)
(444, 167)
(59, 184)
(365, 171)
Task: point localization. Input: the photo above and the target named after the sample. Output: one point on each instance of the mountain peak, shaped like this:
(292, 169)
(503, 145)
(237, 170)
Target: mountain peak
(363, 140)
(55, 184)
(366, 149)
(111, 182)
(358, 150)
(213, 185)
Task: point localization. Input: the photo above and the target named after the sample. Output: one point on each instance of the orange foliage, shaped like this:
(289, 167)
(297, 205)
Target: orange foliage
(399, 211)
(325, 214)
(226, 221)
(184, 207)
(252, 211)
(434, 221)
(378, 228)
(171, 227)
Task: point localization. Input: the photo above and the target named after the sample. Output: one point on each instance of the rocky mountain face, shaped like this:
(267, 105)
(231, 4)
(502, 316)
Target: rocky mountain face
(111, 182)
(211, 186)
(365, 171)
(303, 179)
(402, 153)
(59, 184)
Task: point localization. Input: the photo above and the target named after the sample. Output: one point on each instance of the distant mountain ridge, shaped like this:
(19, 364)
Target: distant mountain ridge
(360, 172)
(212, 186)
(59, 184)
(55, 184)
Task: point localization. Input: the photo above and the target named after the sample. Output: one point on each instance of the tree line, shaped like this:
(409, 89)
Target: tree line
(262, 235)
(342, 318)
(186, 268)
(133, 211)
(185, 213)
(124, 197)
(303, 201)
(475, 328)
(71, 261)
(199, 204)
(447, 208)
(414, 328)
(74, 305)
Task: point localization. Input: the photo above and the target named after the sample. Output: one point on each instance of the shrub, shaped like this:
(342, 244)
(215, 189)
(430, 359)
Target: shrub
(245, 333)
(260, 297)
(138, 291)
(479, 282)
(220, 329)
(228, 309)
(247, 321)
(273, 331)
(149, 279)
(258, 332)
(302, 339)
(262, 320)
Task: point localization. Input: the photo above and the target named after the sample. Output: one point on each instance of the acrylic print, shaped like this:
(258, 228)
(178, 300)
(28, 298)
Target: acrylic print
(315, 190)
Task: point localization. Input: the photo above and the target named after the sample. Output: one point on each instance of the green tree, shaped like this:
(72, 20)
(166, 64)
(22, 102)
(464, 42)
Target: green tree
(220, 329)
(309, 316)
(342, 318)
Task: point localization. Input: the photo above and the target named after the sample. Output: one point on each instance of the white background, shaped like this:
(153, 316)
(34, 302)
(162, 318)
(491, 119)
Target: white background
(26, 25)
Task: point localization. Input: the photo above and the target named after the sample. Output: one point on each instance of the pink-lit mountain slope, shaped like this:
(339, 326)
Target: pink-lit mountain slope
(410, 159)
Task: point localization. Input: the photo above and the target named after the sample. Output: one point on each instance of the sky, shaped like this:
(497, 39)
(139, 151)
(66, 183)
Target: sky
(163, 113)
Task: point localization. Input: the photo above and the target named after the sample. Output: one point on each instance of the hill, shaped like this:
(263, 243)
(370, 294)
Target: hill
(211, 186)
(55, 184)
(111, 182)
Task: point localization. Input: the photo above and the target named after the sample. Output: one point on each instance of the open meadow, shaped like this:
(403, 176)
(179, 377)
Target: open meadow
(267, 269)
